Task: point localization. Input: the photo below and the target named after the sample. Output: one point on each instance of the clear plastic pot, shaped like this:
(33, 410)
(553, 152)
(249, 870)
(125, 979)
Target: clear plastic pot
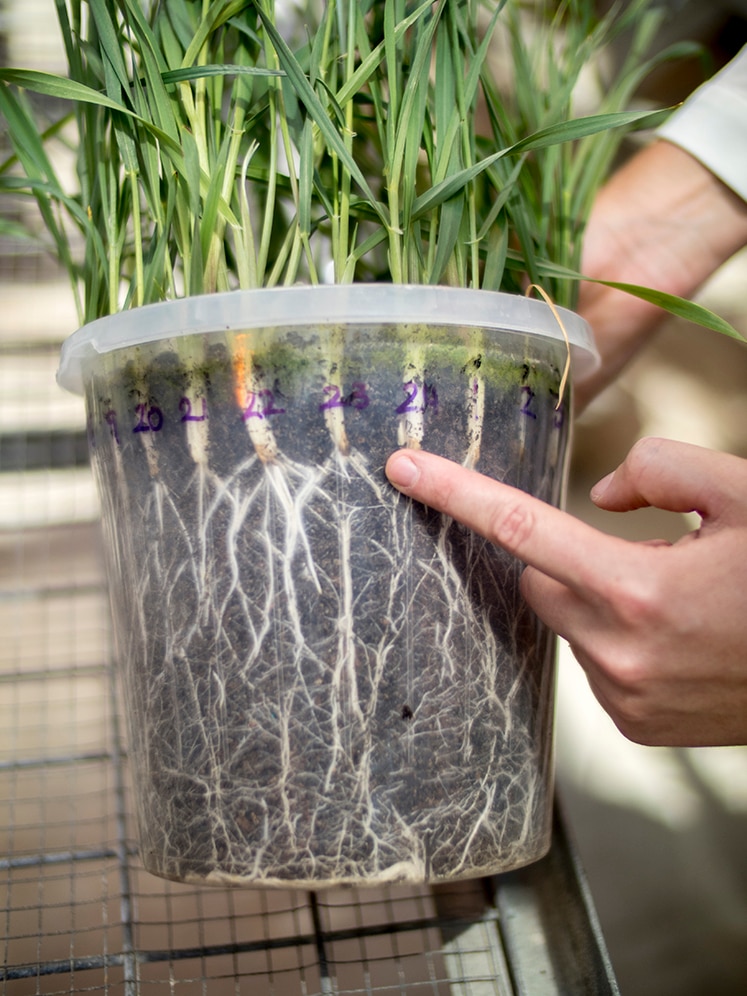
(324, 681)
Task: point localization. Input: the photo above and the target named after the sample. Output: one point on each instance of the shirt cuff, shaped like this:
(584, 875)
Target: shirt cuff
(712, 125)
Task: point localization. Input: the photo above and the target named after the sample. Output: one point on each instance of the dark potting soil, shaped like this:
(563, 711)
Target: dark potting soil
(325, 682)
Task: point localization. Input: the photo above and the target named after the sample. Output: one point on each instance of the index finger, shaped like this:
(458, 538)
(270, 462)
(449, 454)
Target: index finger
(540, 535)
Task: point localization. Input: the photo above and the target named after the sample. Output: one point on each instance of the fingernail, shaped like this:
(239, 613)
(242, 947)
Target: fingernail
(601, 486)
(401, 471)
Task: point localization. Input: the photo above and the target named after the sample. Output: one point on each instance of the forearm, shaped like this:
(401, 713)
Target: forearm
(664, 221)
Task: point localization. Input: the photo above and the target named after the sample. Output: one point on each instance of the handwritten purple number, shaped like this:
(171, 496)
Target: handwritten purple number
(270, 407)
(110, 418)
(262, 405)
(412, 404)
(155, 419)
(358, 397)
(559, 414)
(249, 411)
(335, 400)
(411, 390)
(528, 395)
(150, 418)
(185, 406)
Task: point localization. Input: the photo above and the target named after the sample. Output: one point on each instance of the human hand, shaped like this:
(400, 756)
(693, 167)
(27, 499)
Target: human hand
(663, 221)
(660, 629)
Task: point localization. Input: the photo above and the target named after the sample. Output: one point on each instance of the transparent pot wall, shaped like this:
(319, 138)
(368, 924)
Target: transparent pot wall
(326, 682)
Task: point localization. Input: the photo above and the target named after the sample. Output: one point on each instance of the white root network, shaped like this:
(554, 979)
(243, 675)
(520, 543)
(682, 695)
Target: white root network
(473, 707)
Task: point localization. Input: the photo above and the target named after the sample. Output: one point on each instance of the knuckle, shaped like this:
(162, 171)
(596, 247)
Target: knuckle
(635, 603)
(627, 673)
(639, 721)
(644, 452)
(630, 702)
(643, 459)
(636, 728)
(512, 526)
(630, 677)
(639, 600)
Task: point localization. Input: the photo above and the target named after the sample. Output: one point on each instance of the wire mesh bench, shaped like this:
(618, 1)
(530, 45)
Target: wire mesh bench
(79, 912)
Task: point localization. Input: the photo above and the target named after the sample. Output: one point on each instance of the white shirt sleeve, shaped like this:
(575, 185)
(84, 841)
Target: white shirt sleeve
(712, 124)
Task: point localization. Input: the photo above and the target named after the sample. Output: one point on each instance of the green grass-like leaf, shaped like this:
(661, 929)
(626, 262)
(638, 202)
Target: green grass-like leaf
(680, 307)
(218, 145)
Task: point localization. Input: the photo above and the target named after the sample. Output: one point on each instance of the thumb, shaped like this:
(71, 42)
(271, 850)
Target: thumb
(676, 477)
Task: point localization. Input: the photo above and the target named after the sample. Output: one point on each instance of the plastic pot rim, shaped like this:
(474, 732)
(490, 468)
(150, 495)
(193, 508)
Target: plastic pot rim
(305, 306)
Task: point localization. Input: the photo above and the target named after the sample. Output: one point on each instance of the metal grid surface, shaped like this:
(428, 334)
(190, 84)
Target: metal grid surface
(79, 913)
